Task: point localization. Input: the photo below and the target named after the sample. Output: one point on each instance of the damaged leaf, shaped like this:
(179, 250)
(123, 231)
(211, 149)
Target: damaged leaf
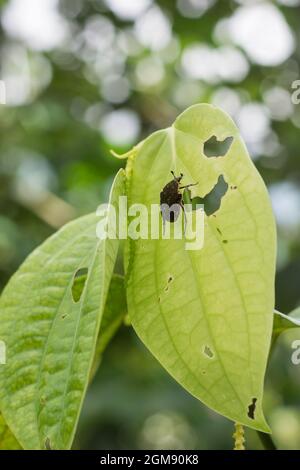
(221, 298)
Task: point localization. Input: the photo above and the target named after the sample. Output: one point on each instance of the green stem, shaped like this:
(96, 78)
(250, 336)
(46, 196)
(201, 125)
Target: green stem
(266, 441)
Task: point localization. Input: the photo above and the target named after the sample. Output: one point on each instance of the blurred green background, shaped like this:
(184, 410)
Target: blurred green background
(85, 76)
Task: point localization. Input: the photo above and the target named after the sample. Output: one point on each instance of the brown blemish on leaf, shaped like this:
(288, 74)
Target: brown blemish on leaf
(208, 352)
(170, 279)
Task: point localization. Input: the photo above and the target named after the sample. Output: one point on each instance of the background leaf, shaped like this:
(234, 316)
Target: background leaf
(207, 315)
(284, 322)
(51, 334)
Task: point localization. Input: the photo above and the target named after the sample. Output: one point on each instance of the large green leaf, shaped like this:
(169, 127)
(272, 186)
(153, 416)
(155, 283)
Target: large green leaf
(51, 333)
(7, 439)
(113, 316)
(206, 315)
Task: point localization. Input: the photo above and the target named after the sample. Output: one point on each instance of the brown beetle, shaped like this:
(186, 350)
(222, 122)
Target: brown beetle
(171, 199)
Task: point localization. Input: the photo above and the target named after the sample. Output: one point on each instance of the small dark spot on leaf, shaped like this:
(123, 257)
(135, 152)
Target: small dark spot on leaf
(203, 372)
(251, 408)
(78, 283)
(63, 316)
(218, 230)
(217, 148)
(48, 444)
(169, 280)
(233, 187)
(225, 241)
(208, 352)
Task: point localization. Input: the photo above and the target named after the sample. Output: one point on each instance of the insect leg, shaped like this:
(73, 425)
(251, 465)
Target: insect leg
(188, 185)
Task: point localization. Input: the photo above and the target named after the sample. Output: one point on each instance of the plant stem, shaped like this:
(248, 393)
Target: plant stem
(239, 437)
(266, 441)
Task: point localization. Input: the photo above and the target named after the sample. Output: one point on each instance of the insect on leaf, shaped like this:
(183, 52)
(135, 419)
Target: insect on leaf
(206, 314)
(50, 327)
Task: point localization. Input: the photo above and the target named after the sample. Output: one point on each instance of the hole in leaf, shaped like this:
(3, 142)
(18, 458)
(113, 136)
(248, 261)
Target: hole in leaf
(208, 352)
(78, 283)
(217, 148)
(212, 200)
(251, 408)
(170, 279)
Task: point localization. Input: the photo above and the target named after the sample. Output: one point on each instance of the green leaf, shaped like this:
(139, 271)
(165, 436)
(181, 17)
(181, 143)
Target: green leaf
(7, 439)
(206, 315)
(284, 322)
(51, 334)
(113, 316)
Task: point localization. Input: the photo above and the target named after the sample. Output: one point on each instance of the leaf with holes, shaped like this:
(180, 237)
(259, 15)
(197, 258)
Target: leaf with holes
(50, 331)
(206, 314)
